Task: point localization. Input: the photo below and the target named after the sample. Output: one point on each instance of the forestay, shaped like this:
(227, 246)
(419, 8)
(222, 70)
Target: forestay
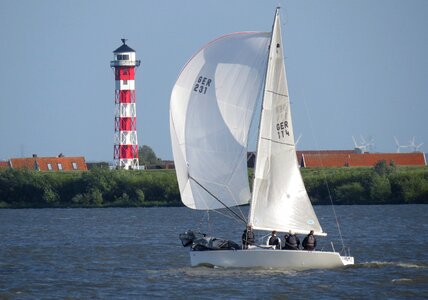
(212, 104)
(280, 201)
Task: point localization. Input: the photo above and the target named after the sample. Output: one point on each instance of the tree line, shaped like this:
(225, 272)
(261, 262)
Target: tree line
(99, 187)
(102, 187)
(382, 184)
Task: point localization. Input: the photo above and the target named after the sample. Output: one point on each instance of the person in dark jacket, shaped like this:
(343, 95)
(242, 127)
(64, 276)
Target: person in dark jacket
(274, 241)
(247, 237)
(292, 241)
(309, 242)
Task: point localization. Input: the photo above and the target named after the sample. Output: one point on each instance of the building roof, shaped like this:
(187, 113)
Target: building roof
(123, 48)
(4, 164)
(327, 152)
(50, 163)
(311, 160)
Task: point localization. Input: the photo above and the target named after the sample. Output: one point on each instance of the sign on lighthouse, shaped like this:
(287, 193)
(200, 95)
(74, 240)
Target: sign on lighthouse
(125, 119)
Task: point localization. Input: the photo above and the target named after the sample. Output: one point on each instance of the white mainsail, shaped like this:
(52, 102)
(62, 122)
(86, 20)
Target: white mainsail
(212, 104)
(279, 201)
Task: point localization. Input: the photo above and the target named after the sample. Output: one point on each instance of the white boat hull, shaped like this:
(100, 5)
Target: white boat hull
(269, 258)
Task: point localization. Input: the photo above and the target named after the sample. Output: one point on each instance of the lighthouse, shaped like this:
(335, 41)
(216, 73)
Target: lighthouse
(125, 119)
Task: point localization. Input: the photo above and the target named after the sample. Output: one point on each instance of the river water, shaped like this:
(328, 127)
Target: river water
(135, 253)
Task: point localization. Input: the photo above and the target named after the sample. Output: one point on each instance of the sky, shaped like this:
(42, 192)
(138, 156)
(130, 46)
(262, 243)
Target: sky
(354, 68)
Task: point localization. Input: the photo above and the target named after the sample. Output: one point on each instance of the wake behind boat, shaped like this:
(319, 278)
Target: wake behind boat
(212, 105)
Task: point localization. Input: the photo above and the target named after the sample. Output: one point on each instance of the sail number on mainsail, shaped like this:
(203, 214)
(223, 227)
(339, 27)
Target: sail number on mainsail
(202, 85)
(282, 129)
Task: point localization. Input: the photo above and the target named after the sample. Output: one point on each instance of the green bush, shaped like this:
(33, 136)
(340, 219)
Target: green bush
(349, 193)
(380, 189)
(103, 187)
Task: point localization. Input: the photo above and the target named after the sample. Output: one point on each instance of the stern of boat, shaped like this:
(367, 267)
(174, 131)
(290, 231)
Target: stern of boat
(347, 260)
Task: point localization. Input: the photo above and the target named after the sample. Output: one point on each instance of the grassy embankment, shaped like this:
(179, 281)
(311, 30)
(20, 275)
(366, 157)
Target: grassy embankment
(105, 188)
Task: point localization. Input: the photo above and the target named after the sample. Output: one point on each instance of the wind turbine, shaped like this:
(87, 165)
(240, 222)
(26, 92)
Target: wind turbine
(414, 146)
(358, 148)
(364, 146)
(398, 145)
(298, 139)
(368, 144)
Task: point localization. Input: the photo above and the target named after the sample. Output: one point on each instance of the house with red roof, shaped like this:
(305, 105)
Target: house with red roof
(349, 158)
(60, 163)
(4, 164)
(322, 159)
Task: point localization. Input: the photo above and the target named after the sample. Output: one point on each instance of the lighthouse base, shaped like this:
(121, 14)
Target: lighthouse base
(127, 164)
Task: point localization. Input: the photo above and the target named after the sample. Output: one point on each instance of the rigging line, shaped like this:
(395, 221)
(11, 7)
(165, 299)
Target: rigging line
(236, 166)
(273, 141)
(199, 227)
(323, 174)
(279, 94)
(241, 212)
(205, 189)
(207, 223)
(225, 215)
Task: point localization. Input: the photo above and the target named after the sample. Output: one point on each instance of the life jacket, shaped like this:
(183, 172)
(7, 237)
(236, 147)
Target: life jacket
(273, 240)
(310, 241)
(291, 240)
(248, 236)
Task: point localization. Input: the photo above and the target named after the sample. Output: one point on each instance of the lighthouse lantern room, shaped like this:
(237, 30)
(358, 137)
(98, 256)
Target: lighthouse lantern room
(125, 119)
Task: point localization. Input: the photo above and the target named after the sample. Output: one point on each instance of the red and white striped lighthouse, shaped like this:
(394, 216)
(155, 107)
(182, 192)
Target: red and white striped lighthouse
(125, 119)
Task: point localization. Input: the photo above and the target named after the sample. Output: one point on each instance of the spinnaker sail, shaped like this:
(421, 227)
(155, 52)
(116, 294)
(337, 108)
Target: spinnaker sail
(212, 104)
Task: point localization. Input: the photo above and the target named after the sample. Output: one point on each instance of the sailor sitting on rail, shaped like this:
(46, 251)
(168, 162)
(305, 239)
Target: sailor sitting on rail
(292, 241)
(274, 241)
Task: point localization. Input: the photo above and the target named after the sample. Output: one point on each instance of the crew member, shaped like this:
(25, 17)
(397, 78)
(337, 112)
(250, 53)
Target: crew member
(309, 242)
(292, 241)
(274, 241)
(247, 237)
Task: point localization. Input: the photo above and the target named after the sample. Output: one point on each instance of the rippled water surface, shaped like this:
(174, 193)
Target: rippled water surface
(135, 253)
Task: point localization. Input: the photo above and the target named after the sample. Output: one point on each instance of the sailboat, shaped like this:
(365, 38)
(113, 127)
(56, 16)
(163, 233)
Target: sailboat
(212, 105)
